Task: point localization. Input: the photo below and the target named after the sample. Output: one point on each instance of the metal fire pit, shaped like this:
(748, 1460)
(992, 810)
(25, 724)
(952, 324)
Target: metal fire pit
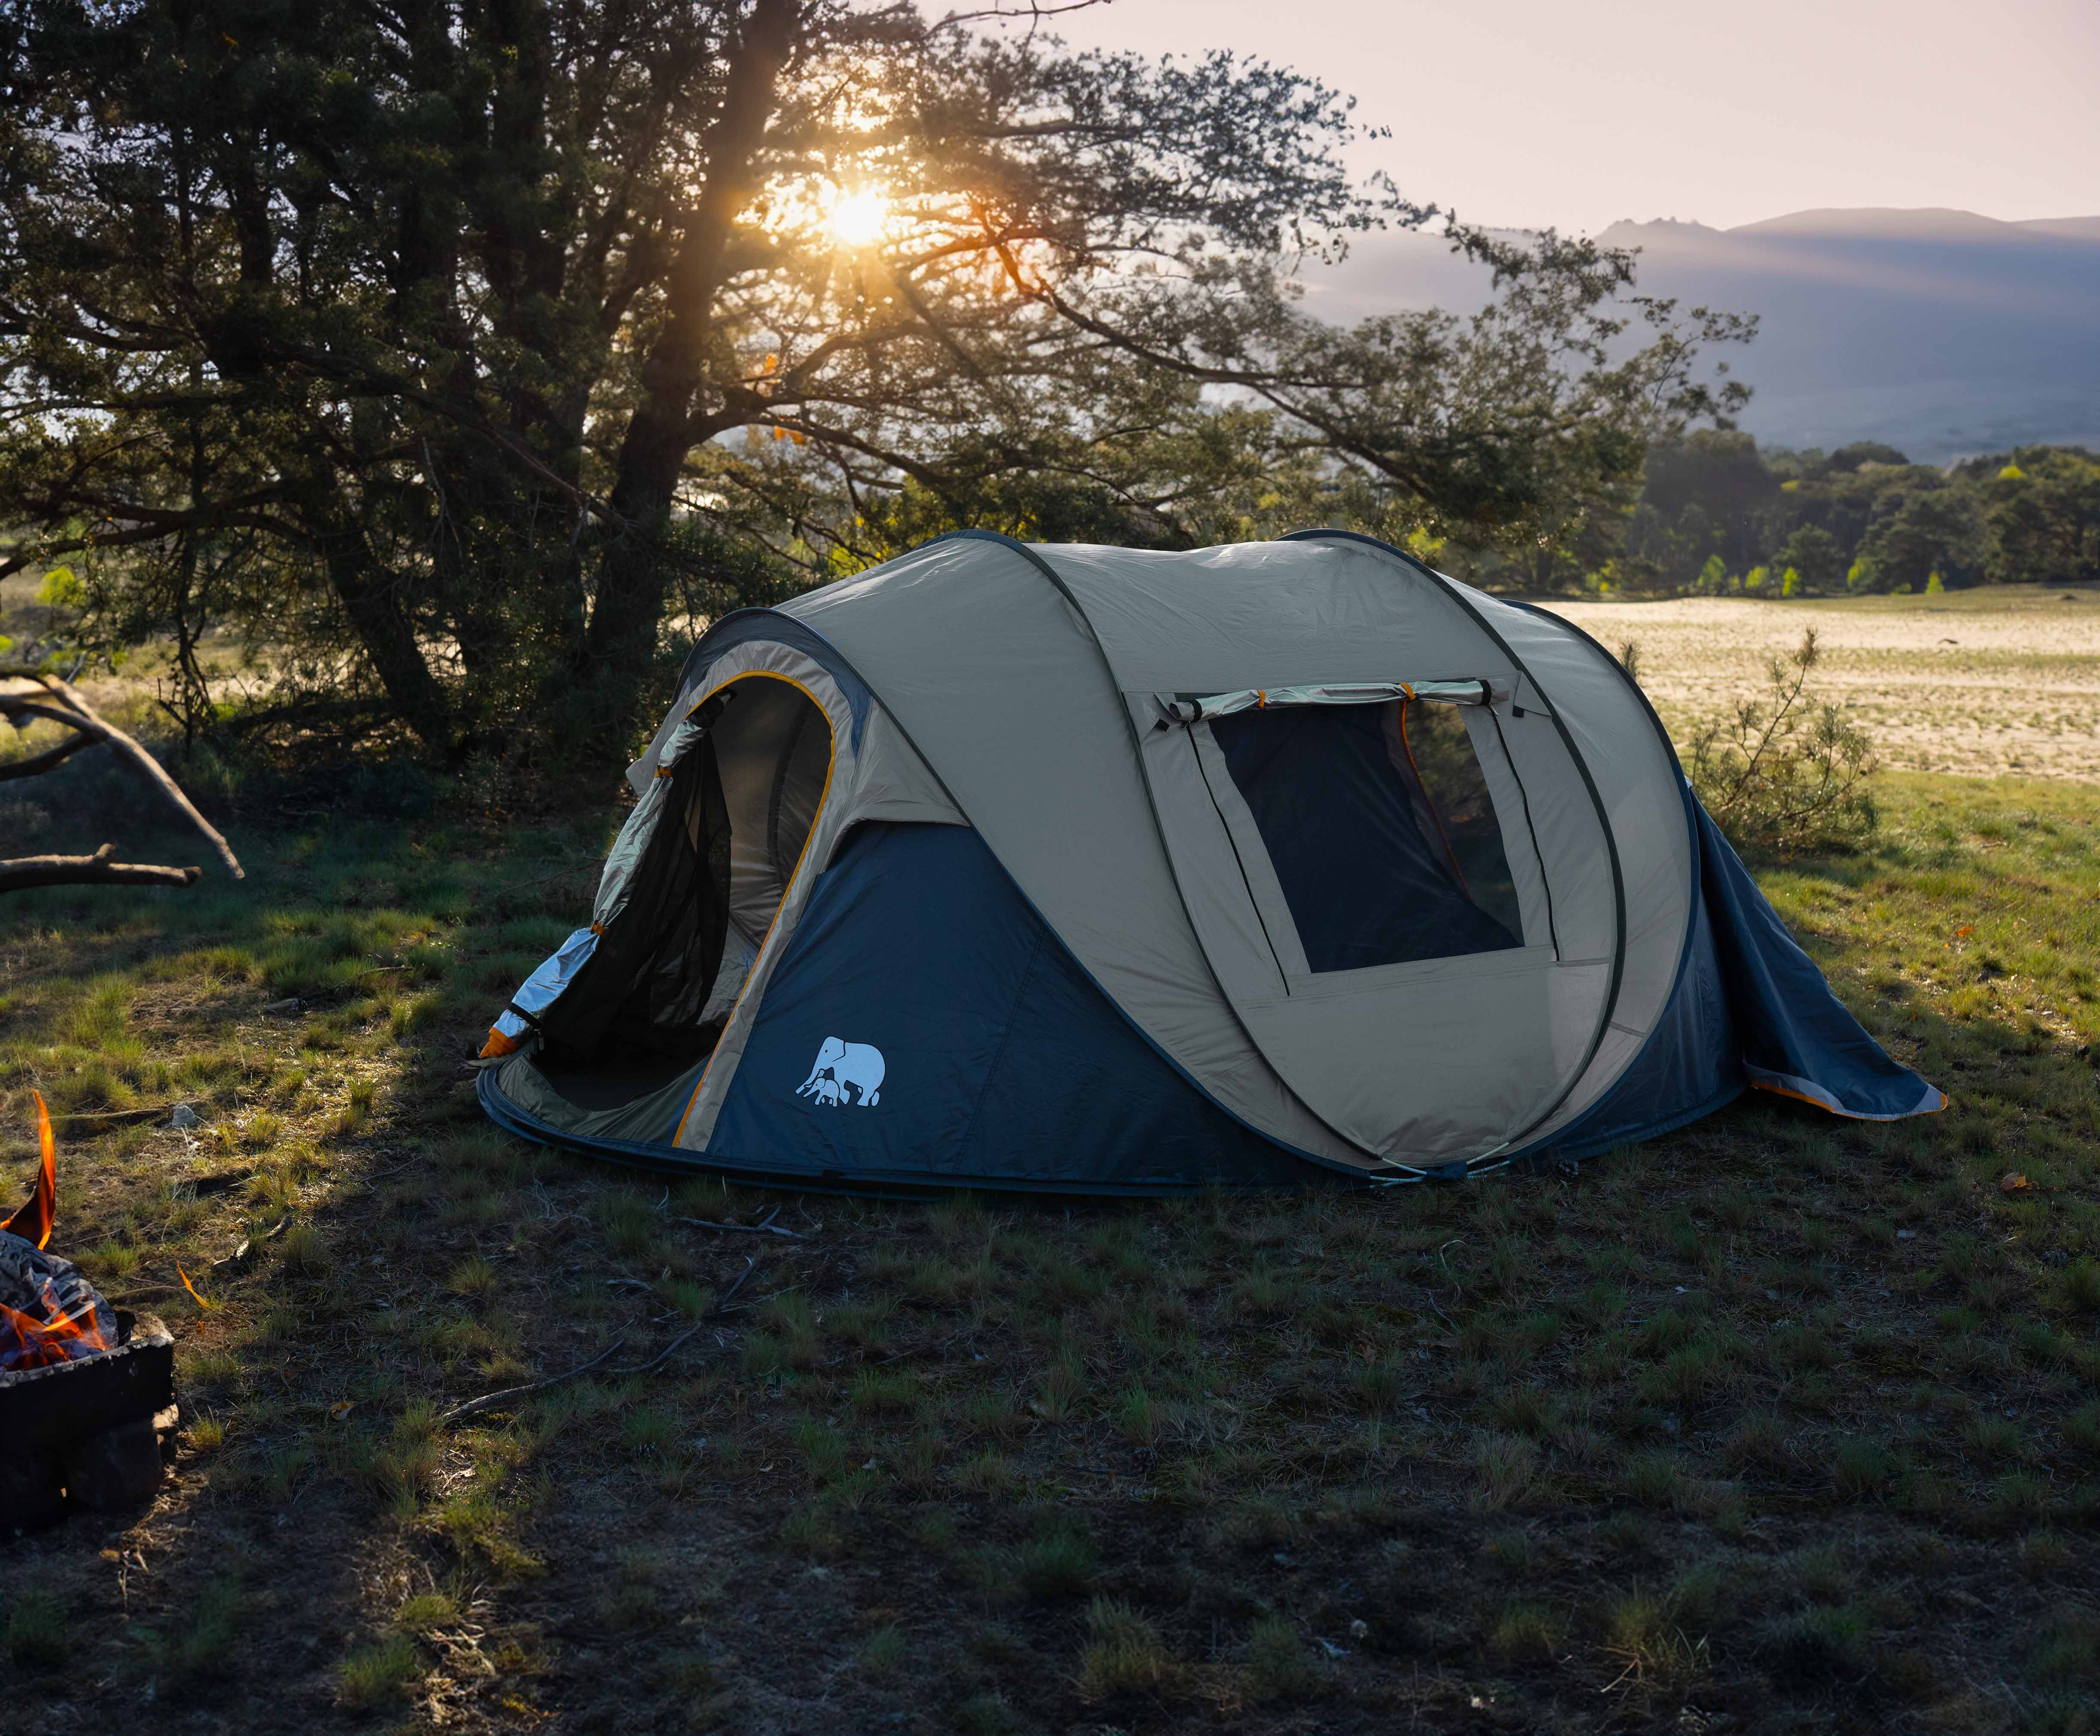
(85, 1430)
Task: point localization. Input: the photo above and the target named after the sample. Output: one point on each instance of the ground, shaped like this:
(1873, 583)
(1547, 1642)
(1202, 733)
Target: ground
(1782, 1424)
(1978, 682)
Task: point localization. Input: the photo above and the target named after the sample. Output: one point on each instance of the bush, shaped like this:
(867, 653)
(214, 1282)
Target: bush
(1279, 1664)
(1784, 772)
(1124, 1653)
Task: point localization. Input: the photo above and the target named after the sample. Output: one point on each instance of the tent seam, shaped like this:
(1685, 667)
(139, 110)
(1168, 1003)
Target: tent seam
(1537, 855)
(1152, 807)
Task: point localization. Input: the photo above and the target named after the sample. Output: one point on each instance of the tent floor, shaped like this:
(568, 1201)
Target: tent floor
(610, 1084)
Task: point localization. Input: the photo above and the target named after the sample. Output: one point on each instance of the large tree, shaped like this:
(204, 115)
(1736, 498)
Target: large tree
(456, 353)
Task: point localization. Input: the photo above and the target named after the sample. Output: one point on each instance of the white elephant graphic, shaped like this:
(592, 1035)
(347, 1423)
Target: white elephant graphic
(843, 1067)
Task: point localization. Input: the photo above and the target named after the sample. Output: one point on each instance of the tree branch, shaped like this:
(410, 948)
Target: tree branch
(43, 762)
(89, 723)
(24, 871)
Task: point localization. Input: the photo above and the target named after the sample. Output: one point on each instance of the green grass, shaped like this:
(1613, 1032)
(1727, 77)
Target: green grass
(1787, 1421)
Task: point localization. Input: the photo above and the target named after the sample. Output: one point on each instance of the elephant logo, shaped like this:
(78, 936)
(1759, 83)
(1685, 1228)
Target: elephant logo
(845, 1073)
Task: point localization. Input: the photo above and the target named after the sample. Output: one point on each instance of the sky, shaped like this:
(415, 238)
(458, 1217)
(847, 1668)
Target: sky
(1531, 113)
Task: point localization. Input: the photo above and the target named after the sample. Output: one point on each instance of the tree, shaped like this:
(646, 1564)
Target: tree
(2043, 517)
(1918, 531)
(1813, 553)
(454, 355)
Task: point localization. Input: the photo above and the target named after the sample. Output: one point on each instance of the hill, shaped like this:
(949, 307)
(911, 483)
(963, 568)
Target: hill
(1940, 331)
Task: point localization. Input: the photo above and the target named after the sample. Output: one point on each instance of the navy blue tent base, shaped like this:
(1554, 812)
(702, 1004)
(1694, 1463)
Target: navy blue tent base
(1004, 1058)
(1749, 1008)
(1001, 1053)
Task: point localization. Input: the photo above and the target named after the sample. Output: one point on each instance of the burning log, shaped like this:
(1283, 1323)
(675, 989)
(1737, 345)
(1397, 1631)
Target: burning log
(59, 701)
(83, 1386)
(49, 1312)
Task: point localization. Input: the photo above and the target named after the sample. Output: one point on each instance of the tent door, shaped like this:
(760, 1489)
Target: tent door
(737, 795)
(1363, 877)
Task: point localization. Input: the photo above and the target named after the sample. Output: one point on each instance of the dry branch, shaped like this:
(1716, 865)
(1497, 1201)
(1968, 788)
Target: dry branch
(90, 722)
(22, 873)
(43, 762)
(60, 702)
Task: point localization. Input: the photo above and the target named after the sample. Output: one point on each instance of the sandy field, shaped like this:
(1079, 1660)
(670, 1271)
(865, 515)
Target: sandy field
(1978, 682)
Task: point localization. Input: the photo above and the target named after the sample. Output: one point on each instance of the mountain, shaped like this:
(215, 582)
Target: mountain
(1938, 331)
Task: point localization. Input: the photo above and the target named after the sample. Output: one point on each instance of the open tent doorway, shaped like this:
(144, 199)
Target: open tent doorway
(739, 788)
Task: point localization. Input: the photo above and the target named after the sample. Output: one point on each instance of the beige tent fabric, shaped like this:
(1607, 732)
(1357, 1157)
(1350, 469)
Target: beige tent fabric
(1030, 680)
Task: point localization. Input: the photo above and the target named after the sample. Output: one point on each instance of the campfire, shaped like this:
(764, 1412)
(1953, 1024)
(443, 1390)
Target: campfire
(85, 1389)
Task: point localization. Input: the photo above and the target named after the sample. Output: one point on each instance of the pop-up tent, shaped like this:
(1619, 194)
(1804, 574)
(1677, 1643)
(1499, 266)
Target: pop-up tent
(1104, 870)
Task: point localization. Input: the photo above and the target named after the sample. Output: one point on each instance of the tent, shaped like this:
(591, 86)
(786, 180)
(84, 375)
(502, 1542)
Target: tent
(1105, 870)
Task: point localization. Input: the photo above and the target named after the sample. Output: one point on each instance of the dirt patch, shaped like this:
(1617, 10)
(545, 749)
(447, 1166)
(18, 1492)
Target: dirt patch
(1979, 682)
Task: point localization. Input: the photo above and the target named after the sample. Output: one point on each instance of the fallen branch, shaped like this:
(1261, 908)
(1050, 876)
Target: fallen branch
(143, 1112)
(24, 871)
(728, 1295)
(73, 710)
(489, 1401)
(43, 762)
(659, 1358)
(763, 1227)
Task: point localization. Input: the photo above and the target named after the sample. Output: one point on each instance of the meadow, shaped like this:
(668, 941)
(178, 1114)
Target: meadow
(1780, 1423)
(2003, 679)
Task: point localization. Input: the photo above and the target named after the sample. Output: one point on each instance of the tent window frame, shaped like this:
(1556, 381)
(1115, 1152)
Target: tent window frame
(1537, 941)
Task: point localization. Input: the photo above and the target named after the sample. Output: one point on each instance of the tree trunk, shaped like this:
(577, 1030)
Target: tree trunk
(631, 579)
(372, 599)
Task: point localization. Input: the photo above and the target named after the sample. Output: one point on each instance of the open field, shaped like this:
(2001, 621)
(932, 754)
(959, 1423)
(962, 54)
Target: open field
(1978, 682)
(1782, 1424)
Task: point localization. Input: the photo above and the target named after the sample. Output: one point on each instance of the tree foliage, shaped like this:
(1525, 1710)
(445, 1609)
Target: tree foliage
(455, 356)
(1713, 509)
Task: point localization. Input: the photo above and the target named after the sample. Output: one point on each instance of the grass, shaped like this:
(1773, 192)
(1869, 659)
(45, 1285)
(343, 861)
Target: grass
(1778, 1424)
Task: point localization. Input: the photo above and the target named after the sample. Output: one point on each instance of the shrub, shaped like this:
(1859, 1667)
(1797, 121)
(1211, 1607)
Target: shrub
(1525, 1632)
(1124, 1653)
(1060, 1562)
(379, 1673)
(1279, 1667)
(1815, 1645)
(34, 1636)
(1505, 1467)
(1783, 772)
(1862, 1469)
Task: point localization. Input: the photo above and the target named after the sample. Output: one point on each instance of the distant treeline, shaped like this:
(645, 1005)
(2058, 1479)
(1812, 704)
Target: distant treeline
(1717, 515)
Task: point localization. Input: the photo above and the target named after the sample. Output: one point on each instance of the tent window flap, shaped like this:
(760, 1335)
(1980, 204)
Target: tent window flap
(1195, 708)
(1377, 823)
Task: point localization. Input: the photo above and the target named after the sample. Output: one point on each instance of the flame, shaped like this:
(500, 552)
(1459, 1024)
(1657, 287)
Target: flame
(27, 1342)
(33, 1222)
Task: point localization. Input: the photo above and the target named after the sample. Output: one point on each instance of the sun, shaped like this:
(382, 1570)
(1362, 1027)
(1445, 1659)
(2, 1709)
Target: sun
(858, 218)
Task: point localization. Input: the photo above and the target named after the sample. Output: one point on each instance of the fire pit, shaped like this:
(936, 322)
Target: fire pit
(83, 1386)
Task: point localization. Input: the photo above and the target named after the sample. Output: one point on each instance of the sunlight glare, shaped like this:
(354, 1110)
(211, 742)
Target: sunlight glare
(857, 219)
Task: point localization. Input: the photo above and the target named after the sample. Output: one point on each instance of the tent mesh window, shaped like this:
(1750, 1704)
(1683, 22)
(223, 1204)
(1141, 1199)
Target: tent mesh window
(1377, 822)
